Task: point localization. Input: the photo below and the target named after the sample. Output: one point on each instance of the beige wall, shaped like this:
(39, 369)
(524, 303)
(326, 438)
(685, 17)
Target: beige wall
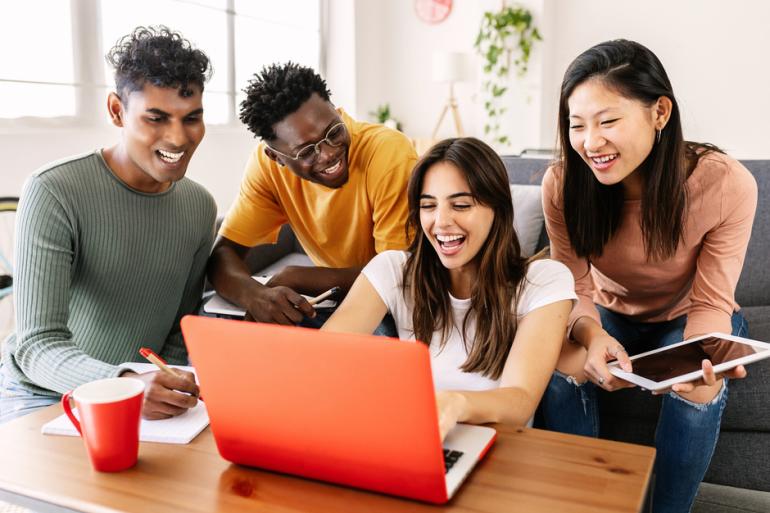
(378, 51)
(714, 51)
(217, 164)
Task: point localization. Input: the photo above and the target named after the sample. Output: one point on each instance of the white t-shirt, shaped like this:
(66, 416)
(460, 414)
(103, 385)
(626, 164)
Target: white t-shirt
(547, 282)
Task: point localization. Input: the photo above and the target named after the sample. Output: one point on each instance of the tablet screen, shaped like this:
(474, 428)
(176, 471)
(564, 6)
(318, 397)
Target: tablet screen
(687, 358)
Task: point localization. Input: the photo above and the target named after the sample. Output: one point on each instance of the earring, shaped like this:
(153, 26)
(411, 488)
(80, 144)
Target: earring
(657, 135)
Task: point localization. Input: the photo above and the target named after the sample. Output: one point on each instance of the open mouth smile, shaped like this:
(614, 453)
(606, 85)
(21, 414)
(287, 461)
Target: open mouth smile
(169, 157)
(603, 162)
(450, 244)
(332, 170)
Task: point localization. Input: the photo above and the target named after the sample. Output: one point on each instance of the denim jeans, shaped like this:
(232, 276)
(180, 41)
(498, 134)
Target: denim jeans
(686, 433)
(387, 327)
(15, 401)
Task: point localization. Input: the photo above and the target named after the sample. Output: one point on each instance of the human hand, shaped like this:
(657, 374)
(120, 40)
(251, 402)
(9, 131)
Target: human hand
(602, 349)
(709, 378)
(166, 395)
(451, 407)
(280, 305)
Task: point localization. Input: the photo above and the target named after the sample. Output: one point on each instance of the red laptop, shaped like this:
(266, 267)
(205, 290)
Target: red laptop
(358, 410)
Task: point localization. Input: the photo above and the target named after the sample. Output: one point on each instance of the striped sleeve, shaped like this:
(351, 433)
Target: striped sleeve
(45, 253)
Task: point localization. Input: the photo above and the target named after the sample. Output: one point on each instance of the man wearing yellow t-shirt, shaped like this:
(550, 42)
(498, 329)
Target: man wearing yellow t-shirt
(339, 183)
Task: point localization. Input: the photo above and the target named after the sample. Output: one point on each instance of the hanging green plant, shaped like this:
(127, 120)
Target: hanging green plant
(505, 42)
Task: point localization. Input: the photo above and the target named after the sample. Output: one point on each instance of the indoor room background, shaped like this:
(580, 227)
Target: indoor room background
(53, 81)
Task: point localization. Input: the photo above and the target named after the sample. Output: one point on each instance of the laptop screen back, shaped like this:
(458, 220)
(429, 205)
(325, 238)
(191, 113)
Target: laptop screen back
(353, 409)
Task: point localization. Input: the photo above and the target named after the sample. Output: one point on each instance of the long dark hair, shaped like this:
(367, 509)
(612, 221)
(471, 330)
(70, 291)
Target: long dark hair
(501, 266)
(592, 211)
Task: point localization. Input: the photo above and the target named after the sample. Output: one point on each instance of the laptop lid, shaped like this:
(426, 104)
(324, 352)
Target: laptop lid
(353, 409)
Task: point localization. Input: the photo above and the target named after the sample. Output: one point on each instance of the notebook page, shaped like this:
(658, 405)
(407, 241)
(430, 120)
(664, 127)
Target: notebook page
(176, 430)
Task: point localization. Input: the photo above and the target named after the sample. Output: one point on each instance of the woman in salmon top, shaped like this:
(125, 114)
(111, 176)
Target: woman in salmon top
(654, 229)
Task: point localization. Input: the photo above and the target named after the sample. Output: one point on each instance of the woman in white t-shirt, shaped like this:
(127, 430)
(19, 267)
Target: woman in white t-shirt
(494, 322)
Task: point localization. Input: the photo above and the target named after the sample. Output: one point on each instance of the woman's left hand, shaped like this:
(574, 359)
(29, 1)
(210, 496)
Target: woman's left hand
(451, 408)
(709, 378)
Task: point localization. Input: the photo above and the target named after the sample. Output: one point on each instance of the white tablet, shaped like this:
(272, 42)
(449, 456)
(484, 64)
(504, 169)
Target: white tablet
(681, 362)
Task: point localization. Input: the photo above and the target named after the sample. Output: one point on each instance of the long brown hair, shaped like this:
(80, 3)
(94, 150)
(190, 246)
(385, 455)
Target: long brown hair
(501, 266)
(592, 211)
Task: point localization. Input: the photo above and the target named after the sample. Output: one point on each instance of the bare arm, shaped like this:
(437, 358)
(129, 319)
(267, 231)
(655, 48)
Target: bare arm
(231, 278)
(361, 312)
(315, 280)
(528, 369)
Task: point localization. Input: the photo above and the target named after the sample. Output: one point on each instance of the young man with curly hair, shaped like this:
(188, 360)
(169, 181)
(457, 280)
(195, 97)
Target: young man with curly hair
(112, 245)
(339, 183)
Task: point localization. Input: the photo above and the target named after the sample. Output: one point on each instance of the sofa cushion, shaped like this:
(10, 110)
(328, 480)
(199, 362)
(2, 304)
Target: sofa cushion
(713, 498)
(528, 218)
(754, 284)
(748, 405)
(758, 318)
(525, 171)
(740, 459)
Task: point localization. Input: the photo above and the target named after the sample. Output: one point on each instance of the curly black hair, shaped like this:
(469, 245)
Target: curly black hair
(158, 56)
(277, 91)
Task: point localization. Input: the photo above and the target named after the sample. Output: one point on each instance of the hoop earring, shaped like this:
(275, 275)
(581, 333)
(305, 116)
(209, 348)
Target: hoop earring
(657, 135)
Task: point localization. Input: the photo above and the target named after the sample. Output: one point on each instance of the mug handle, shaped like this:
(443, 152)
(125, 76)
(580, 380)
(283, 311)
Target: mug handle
(66, 404)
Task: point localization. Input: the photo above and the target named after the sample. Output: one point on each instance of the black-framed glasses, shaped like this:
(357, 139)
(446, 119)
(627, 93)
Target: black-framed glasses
(335, 136)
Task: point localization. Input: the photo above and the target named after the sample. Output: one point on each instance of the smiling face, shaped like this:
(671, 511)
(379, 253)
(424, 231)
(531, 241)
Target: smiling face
(454, 222)
(613, 134)
(161, 130)
(308, 125)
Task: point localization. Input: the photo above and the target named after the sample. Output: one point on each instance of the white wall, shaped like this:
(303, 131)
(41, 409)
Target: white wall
(714, 51)
(394, 51)
(379, 51)
(217, 164)
(339, 39)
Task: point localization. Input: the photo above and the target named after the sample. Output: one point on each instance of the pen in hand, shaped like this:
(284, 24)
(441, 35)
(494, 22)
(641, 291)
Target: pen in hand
(157, 360)
(321, 297)
(150, 355)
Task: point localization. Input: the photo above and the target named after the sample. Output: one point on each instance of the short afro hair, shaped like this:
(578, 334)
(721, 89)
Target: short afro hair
(160, 57)
(277, 91)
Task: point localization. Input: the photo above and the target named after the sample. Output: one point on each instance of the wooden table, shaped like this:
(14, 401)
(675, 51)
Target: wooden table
(526, 470)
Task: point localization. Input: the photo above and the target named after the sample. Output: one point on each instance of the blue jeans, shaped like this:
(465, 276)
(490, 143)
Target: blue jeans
(16, 401)
(387, 327)
(687, 432)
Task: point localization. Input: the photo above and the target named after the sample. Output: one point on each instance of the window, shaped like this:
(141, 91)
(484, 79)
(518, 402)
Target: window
(204, 26)
(283, 28)
(247, 34)
(37, 77)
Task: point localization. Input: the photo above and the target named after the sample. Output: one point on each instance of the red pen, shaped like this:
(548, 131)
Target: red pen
(157, 360)
(160, 362)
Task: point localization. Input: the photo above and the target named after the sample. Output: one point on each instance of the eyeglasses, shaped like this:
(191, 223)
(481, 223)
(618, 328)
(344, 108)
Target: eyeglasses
(308, 155)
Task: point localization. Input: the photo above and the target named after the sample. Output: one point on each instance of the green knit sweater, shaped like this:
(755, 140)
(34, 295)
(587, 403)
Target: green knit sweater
(102, 270)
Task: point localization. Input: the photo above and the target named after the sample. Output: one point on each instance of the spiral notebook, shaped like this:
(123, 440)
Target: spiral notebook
(176, 430)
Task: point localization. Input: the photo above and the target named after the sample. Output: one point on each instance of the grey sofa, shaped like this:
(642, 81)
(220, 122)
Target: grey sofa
(739, 477)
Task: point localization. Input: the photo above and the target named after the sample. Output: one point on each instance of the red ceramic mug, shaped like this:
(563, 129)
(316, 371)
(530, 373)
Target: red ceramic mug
(109, 412)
